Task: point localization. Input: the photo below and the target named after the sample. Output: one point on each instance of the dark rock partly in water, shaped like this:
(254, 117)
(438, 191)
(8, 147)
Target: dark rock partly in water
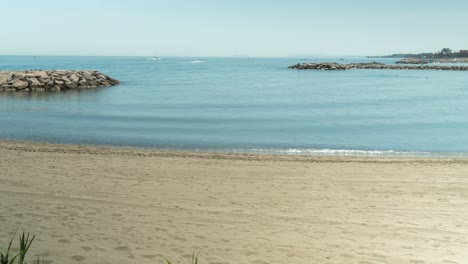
(413, 61)
(53, 80)
(332, 66)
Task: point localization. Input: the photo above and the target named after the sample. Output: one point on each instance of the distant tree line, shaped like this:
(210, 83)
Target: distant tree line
(448, 53)
(442, 54)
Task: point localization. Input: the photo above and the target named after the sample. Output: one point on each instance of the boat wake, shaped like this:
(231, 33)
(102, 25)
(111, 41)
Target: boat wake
(196, 61)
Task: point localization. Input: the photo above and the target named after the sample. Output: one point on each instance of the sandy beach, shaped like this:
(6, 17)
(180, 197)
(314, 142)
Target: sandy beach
(108, 205)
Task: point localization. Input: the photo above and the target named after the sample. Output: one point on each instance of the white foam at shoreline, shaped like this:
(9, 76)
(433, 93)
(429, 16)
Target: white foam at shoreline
(340, 152)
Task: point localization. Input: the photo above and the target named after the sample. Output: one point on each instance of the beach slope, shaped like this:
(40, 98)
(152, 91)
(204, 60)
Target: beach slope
(107, 205)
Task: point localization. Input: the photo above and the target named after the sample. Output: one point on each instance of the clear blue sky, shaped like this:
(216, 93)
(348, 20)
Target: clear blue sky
(223, 28)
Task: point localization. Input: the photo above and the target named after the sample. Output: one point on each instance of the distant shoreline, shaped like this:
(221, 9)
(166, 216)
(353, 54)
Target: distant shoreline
(445, 55)
(439, 60)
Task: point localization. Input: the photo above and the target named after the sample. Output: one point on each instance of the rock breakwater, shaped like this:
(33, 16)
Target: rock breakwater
(55, 80)
(427, 60)
(413, 61)
(332, 66)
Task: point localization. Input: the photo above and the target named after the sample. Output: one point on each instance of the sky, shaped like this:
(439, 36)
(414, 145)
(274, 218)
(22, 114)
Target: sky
(263, 28)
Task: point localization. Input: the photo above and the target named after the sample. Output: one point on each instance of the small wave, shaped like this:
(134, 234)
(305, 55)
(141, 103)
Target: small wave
(348, 152)
(337, 152)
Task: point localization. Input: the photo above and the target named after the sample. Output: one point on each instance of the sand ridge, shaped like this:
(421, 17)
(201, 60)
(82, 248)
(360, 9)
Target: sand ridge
(110, 205)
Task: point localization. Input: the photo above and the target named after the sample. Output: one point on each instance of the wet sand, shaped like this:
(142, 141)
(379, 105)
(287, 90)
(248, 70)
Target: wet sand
(108, 205)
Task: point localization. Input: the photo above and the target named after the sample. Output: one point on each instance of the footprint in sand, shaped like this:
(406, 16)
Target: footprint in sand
(250, 253)
(179, 238)
(85, 248)
(123, 248)
(78, 258)
(64, 241)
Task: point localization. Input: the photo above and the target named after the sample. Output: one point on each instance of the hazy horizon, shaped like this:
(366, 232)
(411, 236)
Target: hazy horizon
(209, 28)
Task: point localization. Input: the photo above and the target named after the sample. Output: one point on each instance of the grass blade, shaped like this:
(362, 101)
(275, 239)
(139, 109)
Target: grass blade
(165, 259)
(25, 244)
(5, 256)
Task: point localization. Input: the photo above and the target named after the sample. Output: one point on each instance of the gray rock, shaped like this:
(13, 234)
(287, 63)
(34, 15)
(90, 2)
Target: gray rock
(88, 76)
(55, 88)
(44, 79)
(74, 78)
(71, 85)
(49, 85)
(20, 85)
(39, 80)
(33, 82)
(39, 74)
(93, 83)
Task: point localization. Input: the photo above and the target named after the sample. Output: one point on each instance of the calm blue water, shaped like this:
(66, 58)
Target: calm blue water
(244, 104)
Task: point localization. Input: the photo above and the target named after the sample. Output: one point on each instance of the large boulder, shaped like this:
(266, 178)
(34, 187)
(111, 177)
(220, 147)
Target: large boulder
(38, 74)
(88, 76)
(33, 82)
(71, 85)
(20, 85)
(4, 77)
(74, 78)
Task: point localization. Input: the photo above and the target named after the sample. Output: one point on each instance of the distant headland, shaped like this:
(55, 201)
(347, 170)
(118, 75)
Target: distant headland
(55, 80)
(445, 55)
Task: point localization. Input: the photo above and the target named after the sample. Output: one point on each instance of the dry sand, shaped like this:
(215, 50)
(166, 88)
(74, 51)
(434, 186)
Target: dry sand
(104, 205)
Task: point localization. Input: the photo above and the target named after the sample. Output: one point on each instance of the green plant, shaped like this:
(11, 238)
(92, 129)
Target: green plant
(194, 258)
(25, 243)
(39, 261)
(166, 260)
(6, 255)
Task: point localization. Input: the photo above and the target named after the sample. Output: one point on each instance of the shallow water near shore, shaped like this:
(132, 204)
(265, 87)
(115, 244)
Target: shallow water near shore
(254, 105)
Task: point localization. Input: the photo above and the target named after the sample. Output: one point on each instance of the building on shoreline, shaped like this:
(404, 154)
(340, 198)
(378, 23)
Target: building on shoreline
(463, 53)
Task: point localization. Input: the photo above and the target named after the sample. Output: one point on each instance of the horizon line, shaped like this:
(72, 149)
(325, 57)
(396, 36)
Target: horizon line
(190, 56)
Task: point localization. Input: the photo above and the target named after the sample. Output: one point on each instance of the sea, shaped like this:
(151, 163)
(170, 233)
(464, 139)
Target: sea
(245, 105)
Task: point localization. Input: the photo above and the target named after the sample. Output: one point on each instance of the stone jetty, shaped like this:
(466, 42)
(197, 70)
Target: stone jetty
(413, 61)
(427, 61)
(55, 80)
(332, 66)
